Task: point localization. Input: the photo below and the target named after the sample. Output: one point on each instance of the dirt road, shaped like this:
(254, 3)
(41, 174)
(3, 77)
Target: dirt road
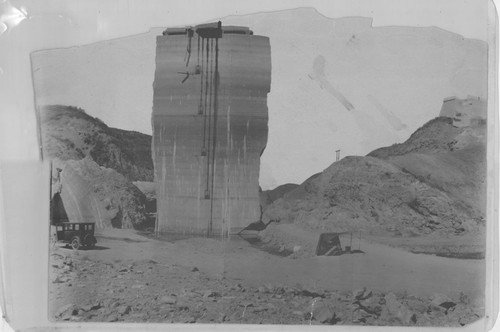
(129, 277)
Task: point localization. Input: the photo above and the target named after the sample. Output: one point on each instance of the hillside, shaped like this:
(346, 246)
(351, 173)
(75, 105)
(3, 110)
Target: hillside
(452, 159)
(433, 184)
(68, 133)
(94, 166)
(269, 196)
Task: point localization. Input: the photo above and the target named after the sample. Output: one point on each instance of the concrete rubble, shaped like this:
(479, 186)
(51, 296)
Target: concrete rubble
(193, 297)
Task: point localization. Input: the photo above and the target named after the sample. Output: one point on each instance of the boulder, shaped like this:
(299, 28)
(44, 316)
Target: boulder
(362, 294)
(323, 314)
(68, 308)
(124, 310)
(395, 309)
(168, 299)
(210, 293)
(440, 300)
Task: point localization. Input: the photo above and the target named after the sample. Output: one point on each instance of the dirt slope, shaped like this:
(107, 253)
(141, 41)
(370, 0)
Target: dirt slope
(269, 196)
(69, 133)
(432, 184)
(444, 156)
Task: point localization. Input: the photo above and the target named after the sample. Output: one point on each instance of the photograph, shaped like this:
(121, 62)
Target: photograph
(296, 166)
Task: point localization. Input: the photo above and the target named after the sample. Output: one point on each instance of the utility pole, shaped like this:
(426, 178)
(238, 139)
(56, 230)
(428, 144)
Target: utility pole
(50, 196)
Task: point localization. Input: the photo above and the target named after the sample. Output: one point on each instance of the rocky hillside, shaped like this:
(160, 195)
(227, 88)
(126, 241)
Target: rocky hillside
(269, 196)
(433, 183)
(94, 166)
(449, 158)
(288, 191)
(69, 133)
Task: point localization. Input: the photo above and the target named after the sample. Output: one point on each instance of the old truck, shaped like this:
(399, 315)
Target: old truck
(76, 234)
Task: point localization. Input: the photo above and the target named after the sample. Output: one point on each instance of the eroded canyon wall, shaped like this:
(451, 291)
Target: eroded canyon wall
(83, 191)
(209, 128)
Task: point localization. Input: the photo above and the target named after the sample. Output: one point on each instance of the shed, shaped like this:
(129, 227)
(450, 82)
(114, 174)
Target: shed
(329, 244)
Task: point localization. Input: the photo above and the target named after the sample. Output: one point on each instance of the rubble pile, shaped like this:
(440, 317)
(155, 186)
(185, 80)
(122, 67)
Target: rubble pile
(137, 292)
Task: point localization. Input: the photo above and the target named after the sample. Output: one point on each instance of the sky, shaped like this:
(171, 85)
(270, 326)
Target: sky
(26, 26)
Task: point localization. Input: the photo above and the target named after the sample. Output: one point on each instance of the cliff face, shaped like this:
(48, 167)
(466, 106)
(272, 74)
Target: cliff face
(209, 129)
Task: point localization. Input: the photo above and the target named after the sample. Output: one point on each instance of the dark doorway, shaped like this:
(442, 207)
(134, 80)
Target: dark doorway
(57, 211)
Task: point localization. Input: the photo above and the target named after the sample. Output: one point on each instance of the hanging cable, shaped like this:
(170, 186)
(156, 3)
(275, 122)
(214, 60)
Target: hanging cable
(203, 147)
(215, 83)
(209, 113)
(197, 70)
(187, 56)
(200, 105)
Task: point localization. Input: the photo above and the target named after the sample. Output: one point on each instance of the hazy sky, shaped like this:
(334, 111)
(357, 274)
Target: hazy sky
(26, 26)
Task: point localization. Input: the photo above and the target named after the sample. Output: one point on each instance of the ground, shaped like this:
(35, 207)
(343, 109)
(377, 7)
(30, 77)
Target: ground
(134, 278)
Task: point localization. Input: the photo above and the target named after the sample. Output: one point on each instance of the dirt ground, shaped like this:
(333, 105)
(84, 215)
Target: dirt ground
(133, 278)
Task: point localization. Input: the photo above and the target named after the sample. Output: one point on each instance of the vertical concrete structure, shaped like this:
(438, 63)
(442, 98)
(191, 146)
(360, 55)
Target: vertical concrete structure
(209, 127)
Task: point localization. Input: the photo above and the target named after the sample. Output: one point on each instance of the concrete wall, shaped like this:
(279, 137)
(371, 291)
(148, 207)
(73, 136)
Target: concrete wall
(230, 170)
(465, 112)
(91, 193)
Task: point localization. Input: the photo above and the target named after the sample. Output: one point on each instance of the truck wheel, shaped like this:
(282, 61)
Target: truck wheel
(75, 243)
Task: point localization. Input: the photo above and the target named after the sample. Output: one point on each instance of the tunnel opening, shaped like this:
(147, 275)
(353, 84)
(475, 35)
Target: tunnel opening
(57, 210)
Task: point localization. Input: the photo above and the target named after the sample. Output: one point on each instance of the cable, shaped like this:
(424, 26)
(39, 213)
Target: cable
(200, 105)
(203, 148)
(215, 82)
(210, 111)
(188, 49)
(198, 63)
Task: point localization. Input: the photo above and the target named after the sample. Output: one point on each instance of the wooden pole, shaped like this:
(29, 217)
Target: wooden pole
(51, 212)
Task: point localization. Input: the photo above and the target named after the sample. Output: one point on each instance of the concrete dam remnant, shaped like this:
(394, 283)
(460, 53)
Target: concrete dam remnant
(465, 112)
(209, 127)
